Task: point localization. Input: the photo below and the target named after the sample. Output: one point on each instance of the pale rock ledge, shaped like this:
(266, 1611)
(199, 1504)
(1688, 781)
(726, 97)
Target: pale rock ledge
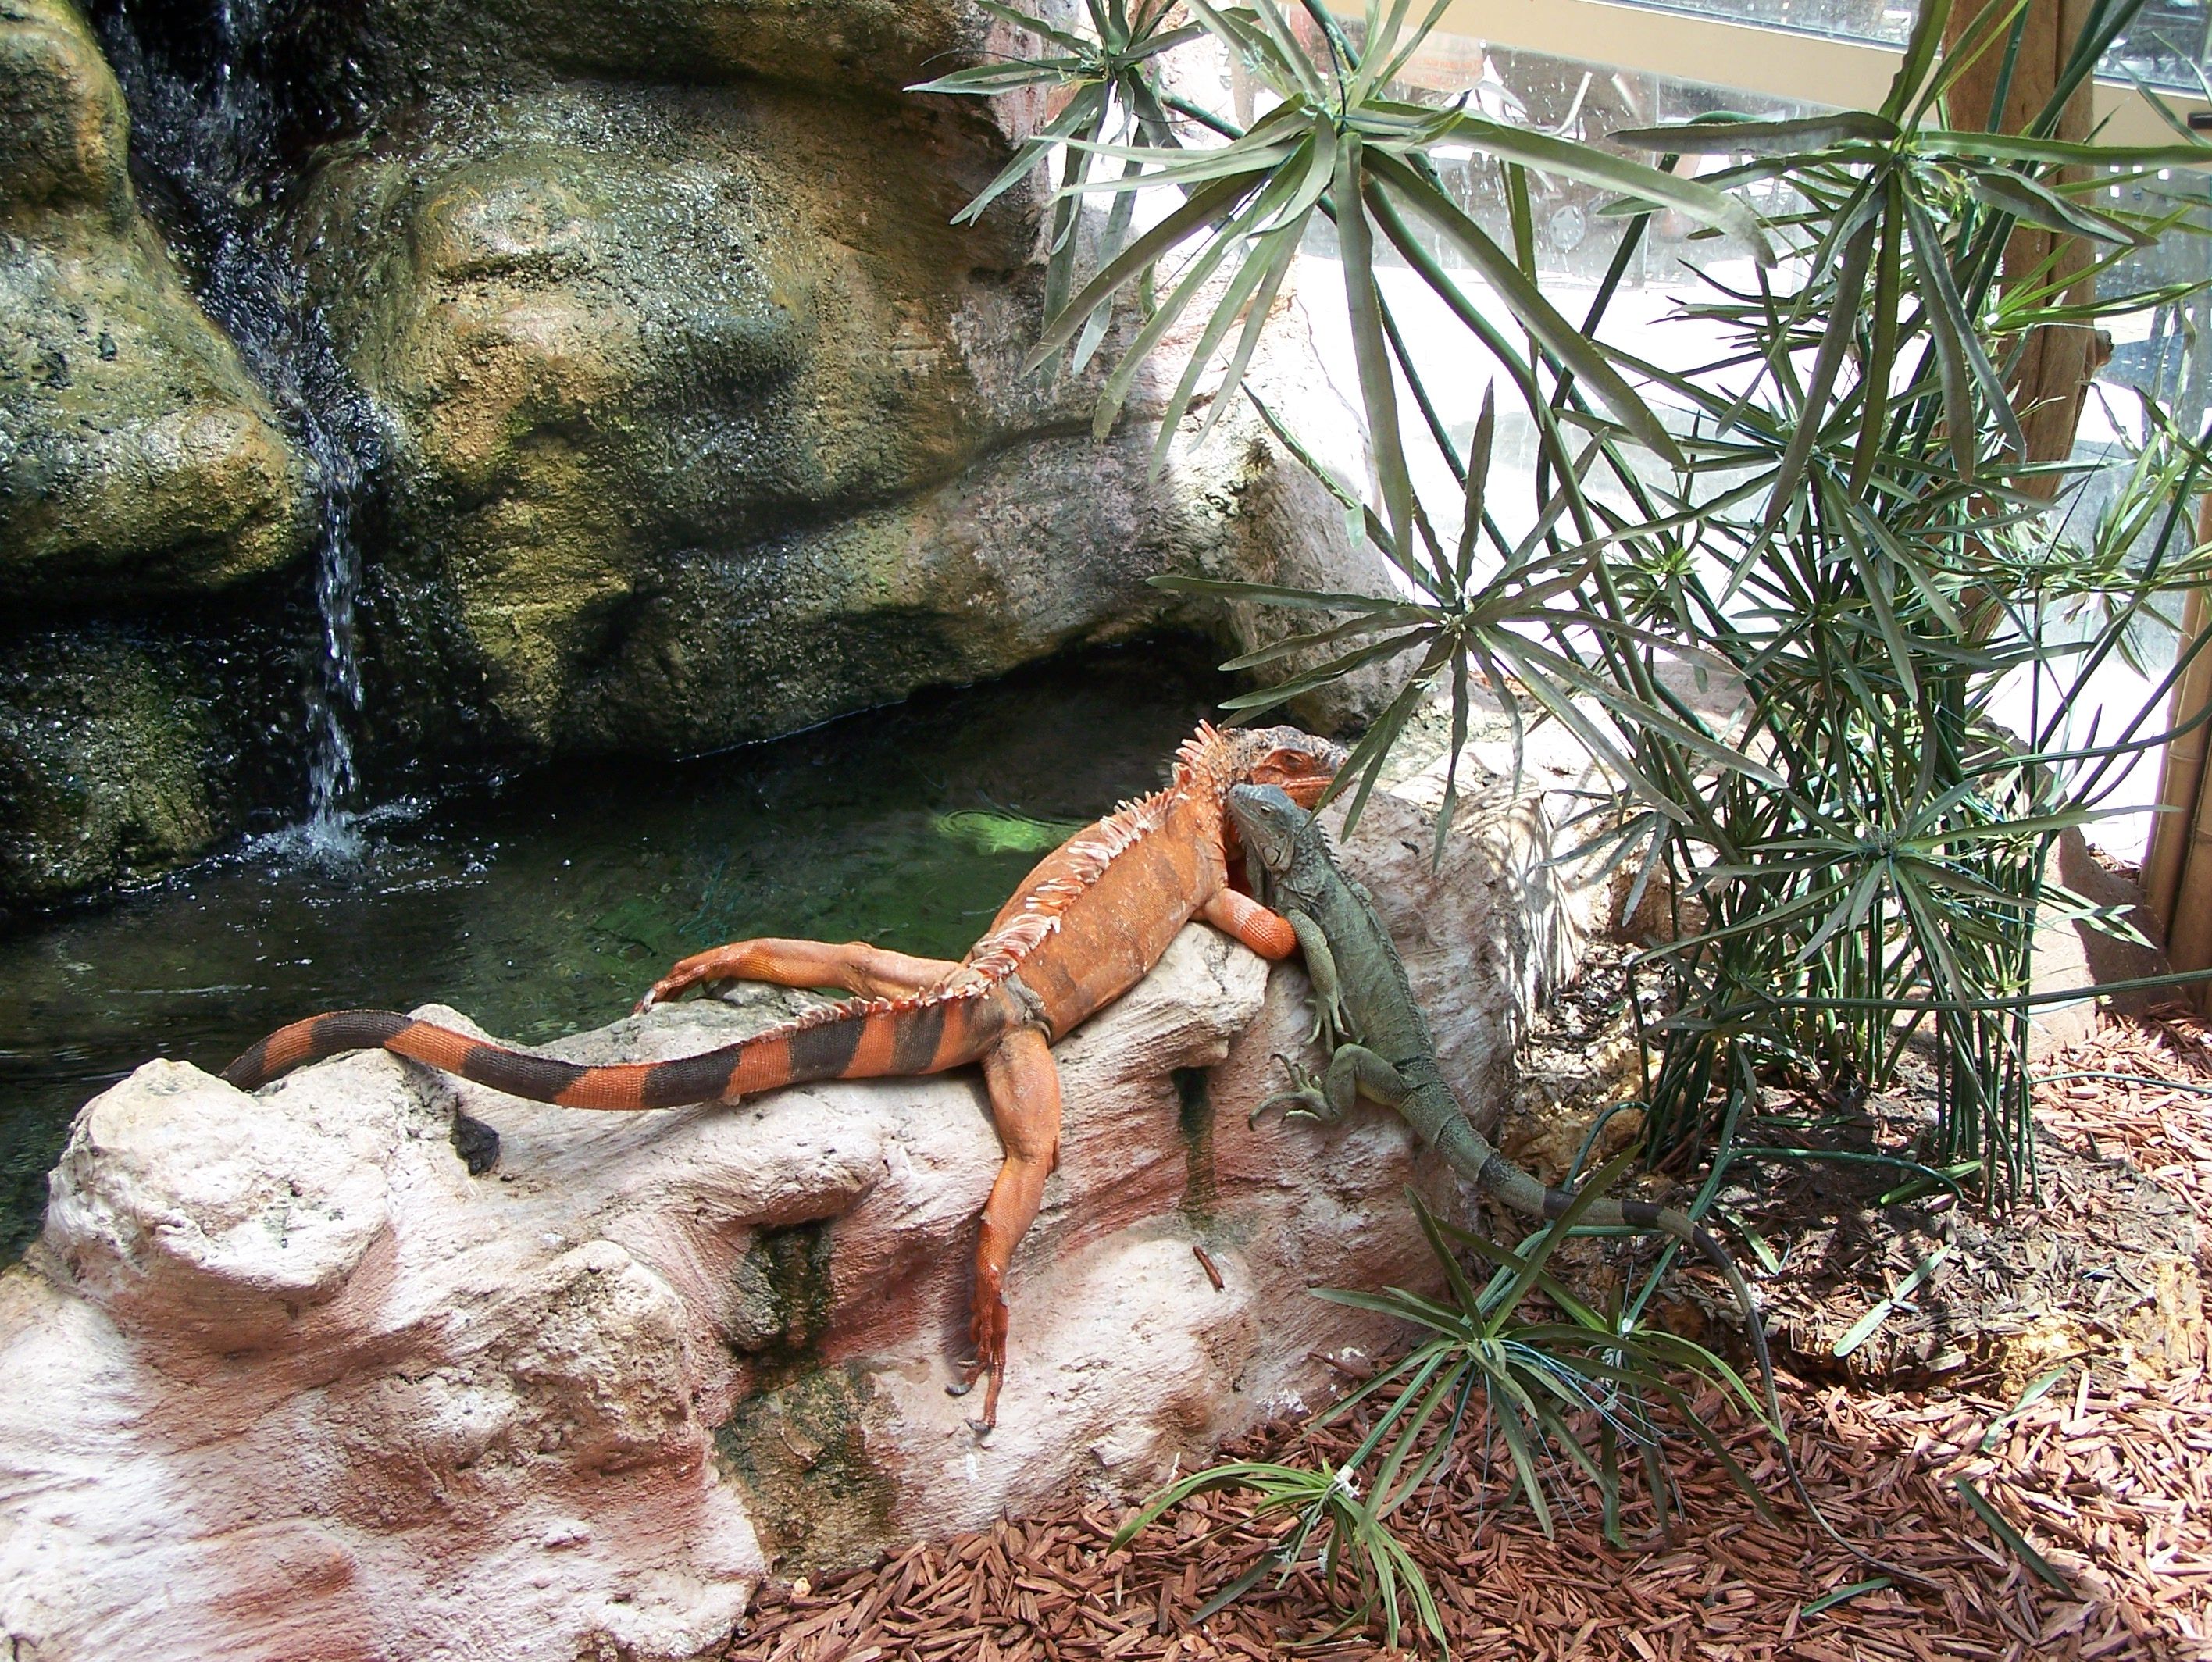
(284, 1380)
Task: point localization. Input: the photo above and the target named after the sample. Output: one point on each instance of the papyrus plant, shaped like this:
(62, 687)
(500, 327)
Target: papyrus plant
(1831, 515)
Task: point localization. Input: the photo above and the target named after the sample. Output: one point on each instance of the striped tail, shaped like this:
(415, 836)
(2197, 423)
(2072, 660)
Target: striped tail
(857, 1039)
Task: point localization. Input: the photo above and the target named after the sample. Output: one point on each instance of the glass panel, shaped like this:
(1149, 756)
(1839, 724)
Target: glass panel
(2165, 45)
(2166, 352)
(1851, 20)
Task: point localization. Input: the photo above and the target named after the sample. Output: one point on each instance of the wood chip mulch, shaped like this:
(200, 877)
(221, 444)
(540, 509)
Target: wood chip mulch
(2108, 1473)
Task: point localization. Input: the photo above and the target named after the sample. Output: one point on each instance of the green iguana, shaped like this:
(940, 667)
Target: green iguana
(1380, 1048)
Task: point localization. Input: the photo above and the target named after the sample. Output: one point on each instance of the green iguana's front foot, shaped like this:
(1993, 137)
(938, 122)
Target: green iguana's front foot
(1354, 1071)
(1329, 1028)
(1308, 1098)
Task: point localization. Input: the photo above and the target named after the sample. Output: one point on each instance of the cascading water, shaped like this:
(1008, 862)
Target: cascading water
(333, 692)
(207, 130)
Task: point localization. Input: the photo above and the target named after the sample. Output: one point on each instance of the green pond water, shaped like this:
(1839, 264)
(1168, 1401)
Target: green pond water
(549, 904)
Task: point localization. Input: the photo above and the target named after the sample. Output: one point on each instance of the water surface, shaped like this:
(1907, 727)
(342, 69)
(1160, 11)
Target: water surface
(548, 905)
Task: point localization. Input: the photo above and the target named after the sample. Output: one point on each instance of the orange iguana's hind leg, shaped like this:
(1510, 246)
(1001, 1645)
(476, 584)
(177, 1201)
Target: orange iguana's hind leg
(1024, 1086)
(854, 966)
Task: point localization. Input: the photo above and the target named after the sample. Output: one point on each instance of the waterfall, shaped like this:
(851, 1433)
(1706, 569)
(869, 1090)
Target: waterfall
(208, 129)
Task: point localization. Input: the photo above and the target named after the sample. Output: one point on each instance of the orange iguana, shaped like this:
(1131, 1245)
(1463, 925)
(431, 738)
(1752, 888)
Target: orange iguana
(1084, 927)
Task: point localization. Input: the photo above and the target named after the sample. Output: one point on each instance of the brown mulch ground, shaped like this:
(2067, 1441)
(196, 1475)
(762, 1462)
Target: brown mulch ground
(2108, 1473)
(2102, 1263)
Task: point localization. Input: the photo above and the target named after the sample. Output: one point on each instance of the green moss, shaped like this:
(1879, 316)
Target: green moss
(800, 1453)
(785, 1297)
(1195, 1120)
(797, 1444)
(109, 751)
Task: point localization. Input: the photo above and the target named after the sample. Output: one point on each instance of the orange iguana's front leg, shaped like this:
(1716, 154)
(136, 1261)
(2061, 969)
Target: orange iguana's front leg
(1267, 933)
(1024, 1086)
(855, 966)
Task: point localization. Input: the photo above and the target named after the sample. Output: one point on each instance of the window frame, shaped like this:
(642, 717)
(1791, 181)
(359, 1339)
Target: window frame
(1755, 57)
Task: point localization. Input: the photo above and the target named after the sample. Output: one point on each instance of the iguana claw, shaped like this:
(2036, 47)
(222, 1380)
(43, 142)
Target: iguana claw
(700, 969)
(1328, 1023)
(960, 1387)
(1312, 1101)
(1326, 1027)
(970, 1372)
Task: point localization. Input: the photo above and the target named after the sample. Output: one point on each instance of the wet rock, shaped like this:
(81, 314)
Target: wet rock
(112, 762)
(68, 130)
(140, 468)
(690, 417)
(282, 1378)
(137, 457)
(706, 424)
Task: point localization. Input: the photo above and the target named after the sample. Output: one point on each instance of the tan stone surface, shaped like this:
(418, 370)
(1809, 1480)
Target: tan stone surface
(137, 457)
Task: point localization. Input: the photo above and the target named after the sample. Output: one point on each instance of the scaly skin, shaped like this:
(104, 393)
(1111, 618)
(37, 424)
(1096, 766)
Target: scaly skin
(1361, 994)
(1086, 924)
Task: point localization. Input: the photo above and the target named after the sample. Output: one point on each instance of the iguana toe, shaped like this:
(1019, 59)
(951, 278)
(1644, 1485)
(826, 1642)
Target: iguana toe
(667, 988)
(1305, 1093)
(1305, 1104)
(970, 1372)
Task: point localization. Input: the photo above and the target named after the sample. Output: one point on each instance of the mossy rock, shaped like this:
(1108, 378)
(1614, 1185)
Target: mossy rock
(837, 45)
(112, 762)
(67, 131)
(138, 459)
(799, 1453)
(618, 335)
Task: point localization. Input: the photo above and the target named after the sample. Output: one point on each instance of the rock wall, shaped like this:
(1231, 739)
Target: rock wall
(689, 416)
(141, 461)
(140, 468)
(283, 1378)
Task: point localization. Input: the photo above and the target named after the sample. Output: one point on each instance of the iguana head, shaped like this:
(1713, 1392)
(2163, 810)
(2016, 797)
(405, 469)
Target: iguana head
(1297, 762)
(1268, 822)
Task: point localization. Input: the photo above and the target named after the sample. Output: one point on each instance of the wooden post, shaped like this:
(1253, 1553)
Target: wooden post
(2178, 875)
(2048, 391)
(2061, 359)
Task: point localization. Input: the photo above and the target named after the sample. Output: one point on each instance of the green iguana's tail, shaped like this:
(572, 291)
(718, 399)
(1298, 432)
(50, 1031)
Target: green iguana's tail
(1470, 1154)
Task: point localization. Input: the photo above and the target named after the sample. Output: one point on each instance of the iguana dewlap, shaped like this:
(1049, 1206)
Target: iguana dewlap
(1086, 925)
